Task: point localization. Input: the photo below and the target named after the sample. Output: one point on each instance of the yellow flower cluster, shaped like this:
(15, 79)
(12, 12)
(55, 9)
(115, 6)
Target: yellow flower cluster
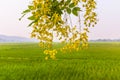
(77, 41)
(43, 27)
(90, 16)
(84, 39)
(47, 19)
(70, 48)
(50, 54)
(75, 1)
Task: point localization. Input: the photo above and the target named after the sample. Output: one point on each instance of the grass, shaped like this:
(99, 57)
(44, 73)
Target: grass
(25, 61)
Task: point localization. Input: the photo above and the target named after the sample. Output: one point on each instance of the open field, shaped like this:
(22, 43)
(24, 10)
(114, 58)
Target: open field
(25, 61)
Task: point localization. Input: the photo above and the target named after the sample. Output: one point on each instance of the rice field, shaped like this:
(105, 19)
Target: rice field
(25, 61)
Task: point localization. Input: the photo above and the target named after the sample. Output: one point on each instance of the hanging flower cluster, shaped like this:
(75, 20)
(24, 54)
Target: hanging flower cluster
(50, 17)
(50, 54)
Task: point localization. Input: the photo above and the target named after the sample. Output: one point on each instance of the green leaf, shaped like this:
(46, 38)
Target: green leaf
(26, 11)
(32, 22)
(21, 17)
(67, 2)
(72, 5)
(75, 12)
(68, 10)
(63, 8)
(55, 3)
(31, 18)
(77, 8)
(31, 7)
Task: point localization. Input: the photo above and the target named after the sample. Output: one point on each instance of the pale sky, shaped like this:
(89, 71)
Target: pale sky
(108, 26)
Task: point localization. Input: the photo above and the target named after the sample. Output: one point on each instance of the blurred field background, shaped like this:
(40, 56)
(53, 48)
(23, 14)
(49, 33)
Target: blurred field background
(25, 61)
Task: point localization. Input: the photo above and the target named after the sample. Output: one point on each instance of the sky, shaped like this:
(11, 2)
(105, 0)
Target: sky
(108, 26)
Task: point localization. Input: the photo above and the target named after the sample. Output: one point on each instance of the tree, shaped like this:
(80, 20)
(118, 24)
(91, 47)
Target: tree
(52, 18)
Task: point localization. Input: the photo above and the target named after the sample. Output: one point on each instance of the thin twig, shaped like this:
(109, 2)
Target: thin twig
(79, 22)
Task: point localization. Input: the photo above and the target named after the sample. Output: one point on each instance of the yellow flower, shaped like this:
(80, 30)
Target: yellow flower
(52, 57)
(84, 0)
(77, 49)
(46, 52)
(86, 29)
(55, 51)
(46, 58)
